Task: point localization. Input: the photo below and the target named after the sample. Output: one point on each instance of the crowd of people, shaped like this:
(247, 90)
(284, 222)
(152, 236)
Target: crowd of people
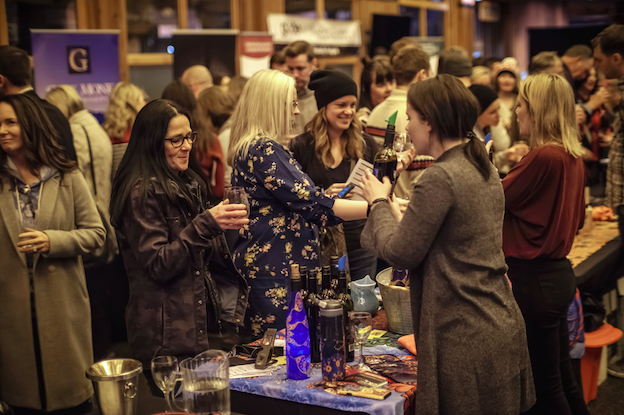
(122, 231)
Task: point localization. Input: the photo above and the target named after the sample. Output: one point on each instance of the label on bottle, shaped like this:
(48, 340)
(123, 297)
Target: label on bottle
(351, 347)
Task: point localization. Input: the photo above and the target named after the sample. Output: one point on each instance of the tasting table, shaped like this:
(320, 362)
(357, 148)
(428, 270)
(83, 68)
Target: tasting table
(277, 395)
(597, 259)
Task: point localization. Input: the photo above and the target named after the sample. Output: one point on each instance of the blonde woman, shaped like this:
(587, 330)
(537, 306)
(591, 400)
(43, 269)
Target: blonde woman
(544, 208)
(84, 125)
(125, 102)
(330, 148)
(481, 75)
(285, 205)
(107, 283)
(215, 108)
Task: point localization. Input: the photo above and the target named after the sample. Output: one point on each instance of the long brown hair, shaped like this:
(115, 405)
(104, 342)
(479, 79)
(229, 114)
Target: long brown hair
(353, 142)
(214, 107)
(39, 138)
(452, 111)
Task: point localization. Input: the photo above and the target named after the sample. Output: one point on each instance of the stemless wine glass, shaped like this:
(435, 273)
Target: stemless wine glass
(237, 194)
(163, 367)
(361, 326)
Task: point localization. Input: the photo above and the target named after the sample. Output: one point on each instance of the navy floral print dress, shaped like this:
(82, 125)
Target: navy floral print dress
(285, 211)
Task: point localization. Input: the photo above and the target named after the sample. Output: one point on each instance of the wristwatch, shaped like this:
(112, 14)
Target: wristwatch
(381, 199)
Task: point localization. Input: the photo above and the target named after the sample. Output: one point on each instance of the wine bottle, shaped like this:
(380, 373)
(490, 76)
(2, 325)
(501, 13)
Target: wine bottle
(334, 272)
(327, 293)
(386, 159)
(312, 312)
(303, 272)
(347, 305)
(297, 331)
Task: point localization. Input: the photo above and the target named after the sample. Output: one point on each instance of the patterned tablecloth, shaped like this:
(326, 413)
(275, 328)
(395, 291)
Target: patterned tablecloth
(588, 242)
(278, 386)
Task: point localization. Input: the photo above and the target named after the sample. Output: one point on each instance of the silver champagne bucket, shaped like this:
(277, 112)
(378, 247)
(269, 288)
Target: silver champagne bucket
(116, 382)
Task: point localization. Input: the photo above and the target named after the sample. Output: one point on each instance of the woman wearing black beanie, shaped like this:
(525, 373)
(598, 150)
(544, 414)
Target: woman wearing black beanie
(330, 148)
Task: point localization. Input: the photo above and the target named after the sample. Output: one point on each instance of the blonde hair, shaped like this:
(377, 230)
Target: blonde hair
(123, 107)
(479, 71)
(265, 109)
(550, 103)
(352, 141)
(66, 99)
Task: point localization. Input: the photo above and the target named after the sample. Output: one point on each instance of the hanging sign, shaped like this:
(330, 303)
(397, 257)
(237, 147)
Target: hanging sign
(255, 49)
(328, 37)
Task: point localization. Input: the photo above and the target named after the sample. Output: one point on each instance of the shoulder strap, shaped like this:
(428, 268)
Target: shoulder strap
(91, 158)
(352, 165)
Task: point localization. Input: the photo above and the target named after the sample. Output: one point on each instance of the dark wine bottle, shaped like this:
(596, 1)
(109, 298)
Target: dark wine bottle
(312, 312)
(303, 272)
(334, 272)
(327, 293)
(347, 305)
(386, 159)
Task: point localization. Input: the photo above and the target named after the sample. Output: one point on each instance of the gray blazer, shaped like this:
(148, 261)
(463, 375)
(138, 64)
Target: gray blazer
(470, 334)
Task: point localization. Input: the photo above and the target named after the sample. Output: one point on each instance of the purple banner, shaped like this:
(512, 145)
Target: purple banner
(88, 60)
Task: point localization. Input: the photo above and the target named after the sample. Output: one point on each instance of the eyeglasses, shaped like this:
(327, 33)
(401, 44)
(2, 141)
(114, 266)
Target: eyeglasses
(179, 140)
(295, 104)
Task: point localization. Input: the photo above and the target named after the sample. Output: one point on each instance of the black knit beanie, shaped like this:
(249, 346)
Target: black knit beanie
(485, 95)
(456, 65)
(328, 86)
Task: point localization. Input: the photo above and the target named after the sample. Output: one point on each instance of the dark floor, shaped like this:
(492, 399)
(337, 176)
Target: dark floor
(610, 399)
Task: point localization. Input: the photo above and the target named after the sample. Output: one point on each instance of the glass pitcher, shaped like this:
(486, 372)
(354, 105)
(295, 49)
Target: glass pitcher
(363, 295)
(205, 384)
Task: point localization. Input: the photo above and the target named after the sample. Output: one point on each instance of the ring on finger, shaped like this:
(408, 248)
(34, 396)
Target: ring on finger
(34, 248)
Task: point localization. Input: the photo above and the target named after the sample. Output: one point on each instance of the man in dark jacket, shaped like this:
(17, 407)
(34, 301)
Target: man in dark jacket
(15, 73)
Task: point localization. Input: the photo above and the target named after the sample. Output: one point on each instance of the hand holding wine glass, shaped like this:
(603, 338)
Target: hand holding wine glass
(163, 367)
(361, 326)
(237, 194)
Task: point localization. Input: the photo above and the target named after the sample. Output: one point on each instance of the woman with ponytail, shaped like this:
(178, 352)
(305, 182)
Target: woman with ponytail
(544, 208)
(469, 332)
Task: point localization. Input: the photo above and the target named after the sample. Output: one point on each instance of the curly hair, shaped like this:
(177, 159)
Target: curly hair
(123, 106)
(353, 144)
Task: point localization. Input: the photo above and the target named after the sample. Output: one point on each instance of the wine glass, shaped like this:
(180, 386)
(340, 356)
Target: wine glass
(162, 369)
(361, 326)
(237, 194)
(400, 141)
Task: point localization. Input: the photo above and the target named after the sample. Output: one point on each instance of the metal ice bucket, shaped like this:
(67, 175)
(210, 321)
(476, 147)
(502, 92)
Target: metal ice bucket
(396, 302)
(116, 382)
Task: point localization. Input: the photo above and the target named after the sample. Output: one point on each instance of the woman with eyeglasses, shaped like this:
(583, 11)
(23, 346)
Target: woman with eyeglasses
(47, 221)
(186, 295)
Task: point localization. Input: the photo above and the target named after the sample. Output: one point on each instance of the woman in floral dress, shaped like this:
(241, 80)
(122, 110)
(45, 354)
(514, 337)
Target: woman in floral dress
(286, 208)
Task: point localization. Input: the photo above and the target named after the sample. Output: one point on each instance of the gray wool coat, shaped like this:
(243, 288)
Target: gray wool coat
(469, 331)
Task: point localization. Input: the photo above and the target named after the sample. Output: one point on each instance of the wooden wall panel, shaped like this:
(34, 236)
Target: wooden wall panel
(4, 30)
(460, 26)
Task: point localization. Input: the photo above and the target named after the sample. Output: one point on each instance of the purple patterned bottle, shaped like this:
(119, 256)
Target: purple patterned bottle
(297, 331)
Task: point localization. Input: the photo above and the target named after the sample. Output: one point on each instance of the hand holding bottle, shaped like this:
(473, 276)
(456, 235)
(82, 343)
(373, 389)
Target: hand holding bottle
(371, 188)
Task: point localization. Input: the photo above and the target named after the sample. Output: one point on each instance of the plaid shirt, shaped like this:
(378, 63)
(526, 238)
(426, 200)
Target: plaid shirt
(615, 170)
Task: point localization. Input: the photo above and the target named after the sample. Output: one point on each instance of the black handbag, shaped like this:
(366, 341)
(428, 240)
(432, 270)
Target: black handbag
(106, 253)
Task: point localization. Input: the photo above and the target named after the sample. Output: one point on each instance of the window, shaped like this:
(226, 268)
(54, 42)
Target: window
(209, 14)
(435, 22)
(338, 9)
(414, 14)
(302, 8)
(151, 24)
(23, 15)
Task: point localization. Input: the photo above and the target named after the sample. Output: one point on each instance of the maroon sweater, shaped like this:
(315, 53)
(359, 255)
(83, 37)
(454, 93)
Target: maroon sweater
(544, 204)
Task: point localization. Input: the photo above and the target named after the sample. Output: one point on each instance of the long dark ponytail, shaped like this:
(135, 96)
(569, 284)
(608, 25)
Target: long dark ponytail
(452, 111)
